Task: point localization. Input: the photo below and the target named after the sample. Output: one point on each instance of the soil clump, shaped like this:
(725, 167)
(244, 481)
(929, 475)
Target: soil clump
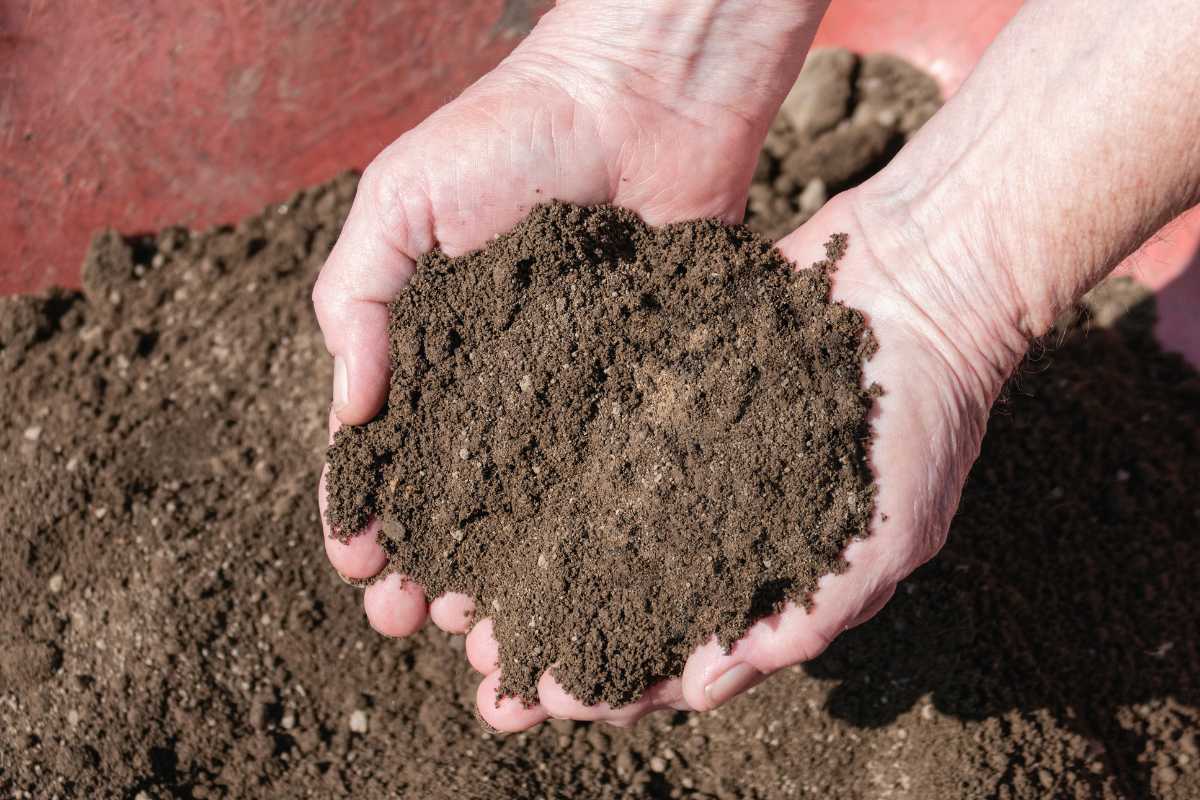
(618, 440)
(842, 122)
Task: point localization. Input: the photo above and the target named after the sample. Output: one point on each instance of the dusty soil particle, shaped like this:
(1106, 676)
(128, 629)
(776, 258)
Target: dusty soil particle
(619, 440)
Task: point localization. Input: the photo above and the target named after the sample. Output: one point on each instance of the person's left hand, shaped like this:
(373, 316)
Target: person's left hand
(941, 367)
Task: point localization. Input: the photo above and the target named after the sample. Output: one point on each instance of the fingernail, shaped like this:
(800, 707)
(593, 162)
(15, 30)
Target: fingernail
(341, 384)
(736, 680)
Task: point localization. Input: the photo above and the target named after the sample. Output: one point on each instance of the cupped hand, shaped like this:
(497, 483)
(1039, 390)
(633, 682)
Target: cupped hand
(670, 128)
(942, 358)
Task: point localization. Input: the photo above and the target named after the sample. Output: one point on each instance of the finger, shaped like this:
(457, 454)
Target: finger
(359, 557)
(452, 612)
(362, 274)
(395, 606)
(507, 714)
(559, 704)
(482, 650)
(712, 676)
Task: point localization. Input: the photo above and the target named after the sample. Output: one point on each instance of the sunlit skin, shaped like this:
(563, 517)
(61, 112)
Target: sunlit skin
(970, 242)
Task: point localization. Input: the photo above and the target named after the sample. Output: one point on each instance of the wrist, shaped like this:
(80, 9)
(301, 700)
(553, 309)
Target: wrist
(945, 261)
(729, 58)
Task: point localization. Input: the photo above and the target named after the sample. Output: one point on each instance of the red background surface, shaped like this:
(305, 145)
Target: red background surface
(145, 113)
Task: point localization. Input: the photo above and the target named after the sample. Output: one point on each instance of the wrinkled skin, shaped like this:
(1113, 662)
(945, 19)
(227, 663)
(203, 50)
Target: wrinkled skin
(538, 128)
(970, 242)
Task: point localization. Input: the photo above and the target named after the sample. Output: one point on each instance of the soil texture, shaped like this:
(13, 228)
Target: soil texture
(171, 629)
(843, 121)
(618, 440)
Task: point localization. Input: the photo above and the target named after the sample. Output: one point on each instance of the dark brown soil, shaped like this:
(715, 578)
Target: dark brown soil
(618, 440)
(844, 120)
(170, 627)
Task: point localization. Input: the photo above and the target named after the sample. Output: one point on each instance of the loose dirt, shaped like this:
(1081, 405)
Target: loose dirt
(172, 629)
(845, 118)
(618, 440)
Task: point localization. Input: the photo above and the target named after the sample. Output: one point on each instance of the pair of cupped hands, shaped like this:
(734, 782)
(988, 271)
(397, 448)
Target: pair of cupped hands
(672, 136)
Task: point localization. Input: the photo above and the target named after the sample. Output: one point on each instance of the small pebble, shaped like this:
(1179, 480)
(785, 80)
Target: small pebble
(288, 722)
(358, 721)
(543, 562)
(658, 764)
(526, 384)
(56, 583)
(464, 454)
(33, 433)
(73, 717)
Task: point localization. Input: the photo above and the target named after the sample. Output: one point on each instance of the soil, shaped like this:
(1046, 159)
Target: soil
(842, 122)
(618, 440)
(172, 629)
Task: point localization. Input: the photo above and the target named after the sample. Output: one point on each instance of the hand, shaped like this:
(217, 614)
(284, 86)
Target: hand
(667, 122)
(941, 365)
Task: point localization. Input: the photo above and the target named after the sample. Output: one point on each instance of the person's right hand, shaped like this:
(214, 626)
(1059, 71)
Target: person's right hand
(658, 107)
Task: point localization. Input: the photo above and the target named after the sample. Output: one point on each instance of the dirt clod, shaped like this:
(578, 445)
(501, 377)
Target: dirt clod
(845, 118)
(699, 414)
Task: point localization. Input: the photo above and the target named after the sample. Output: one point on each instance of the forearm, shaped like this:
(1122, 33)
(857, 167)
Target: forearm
(686, 55)
(1076, 137)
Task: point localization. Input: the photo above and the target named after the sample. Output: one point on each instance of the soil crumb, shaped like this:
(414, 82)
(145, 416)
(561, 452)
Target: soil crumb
(171, 628)
(618, 440)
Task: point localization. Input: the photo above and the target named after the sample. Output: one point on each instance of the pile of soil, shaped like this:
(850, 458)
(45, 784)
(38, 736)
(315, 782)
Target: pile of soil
(618, 440)
(171, 628)
(842, 122)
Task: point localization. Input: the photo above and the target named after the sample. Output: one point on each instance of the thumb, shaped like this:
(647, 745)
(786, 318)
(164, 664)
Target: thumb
(363, 273)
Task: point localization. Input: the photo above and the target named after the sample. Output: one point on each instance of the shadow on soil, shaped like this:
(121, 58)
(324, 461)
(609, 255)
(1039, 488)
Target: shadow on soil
(1069, 582)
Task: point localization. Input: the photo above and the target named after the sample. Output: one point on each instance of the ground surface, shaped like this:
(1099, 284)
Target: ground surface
(170, 627)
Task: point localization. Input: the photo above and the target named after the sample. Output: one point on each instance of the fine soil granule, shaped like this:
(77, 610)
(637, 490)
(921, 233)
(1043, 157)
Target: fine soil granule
(619, 440)
(171, 628)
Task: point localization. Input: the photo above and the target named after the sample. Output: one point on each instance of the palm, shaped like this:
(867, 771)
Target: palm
(526, 134)
(928, 425)
(474, 168)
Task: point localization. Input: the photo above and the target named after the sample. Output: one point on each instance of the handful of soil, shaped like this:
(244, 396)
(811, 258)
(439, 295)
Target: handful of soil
(619, 440)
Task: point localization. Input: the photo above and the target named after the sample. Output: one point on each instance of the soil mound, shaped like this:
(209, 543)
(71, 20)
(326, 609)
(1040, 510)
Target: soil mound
(170, 627)
(619, 440)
